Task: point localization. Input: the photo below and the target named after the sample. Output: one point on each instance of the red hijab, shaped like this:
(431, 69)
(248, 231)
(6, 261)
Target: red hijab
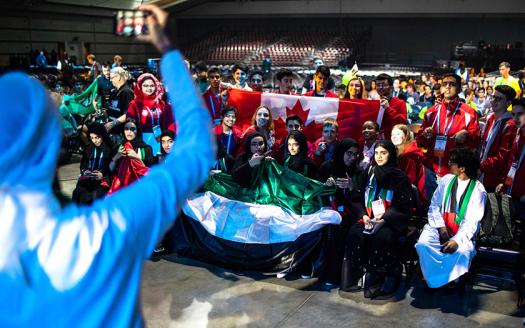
(153, 101)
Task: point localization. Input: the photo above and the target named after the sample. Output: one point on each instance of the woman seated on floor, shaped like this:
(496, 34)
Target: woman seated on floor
(94, 180)
(132, 159)
(373, 242)
(344, 173)
(298, 160)
(255, 151)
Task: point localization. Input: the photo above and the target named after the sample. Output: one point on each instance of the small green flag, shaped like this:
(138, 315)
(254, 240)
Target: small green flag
(82, 104)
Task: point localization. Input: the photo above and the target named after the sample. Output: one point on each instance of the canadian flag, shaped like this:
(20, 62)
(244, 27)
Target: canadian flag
(350, 114)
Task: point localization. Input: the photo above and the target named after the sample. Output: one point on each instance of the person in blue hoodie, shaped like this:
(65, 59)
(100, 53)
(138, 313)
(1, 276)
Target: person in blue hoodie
(82, 266)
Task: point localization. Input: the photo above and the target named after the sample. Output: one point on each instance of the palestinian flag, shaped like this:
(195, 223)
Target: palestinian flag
(271, 227)
(82, 103)
(350, 114)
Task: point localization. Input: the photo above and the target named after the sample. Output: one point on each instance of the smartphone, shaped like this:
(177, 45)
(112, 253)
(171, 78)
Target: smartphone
(130, 23)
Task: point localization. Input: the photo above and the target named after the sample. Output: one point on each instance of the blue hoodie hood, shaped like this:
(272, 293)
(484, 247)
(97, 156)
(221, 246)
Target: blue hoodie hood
(30, 133)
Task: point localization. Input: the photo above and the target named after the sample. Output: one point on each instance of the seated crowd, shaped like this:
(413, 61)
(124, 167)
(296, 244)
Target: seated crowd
(449, 163)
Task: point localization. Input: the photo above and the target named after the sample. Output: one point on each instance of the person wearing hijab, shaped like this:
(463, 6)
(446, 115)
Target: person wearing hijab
(132, 159)
(167, 139)
(150, 112)
(262, 122)
(66, 266)
(343, 172)
(95, 179)
(256, 151)
(373, 242)
(298, 160)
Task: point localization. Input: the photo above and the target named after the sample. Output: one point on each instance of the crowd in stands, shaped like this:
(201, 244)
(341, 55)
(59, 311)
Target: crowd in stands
(446, 141)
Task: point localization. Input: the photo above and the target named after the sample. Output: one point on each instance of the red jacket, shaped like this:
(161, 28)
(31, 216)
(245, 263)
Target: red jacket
(214, 105)
(465, 118)
(411, 161)
(396, 113)
(236, 142)
(162, 115)
(496, 164)
(518, 188)
(328, 94)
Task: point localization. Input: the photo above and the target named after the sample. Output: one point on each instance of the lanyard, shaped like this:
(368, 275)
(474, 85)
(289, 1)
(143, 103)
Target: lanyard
(212, 106)
(438, 118)
(229, 142)
(464, 200)
(152, 116)
(92, 162)
(373, 188)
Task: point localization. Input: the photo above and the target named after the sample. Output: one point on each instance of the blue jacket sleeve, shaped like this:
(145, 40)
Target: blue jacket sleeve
(146, 209)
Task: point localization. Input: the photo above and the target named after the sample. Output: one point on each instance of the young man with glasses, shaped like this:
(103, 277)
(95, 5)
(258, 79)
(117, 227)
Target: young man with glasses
(448, 124)
(393, 110)
(446, 246)
(497, 139)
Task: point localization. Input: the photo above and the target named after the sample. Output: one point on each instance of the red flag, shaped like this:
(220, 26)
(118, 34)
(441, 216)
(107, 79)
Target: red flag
(350, 114)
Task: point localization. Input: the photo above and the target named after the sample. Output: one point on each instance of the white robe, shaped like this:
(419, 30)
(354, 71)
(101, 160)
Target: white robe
(439, 268)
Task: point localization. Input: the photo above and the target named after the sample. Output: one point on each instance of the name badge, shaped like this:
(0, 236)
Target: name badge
(378, 207)
(157, 132)
(512, 173)
(340, 208)
(114, 104)
(440, 145)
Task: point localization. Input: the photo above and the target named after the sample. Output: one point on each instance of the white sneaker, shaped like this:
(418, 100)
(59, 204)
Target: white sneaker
(306, 276)
(281, 275)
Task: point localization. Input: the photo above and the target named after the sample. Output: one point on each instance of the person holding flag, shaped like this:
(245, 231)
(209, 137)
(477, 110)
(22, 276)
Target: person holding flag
(321, 89)
(393, 110)
(228, 139)
(446, 245)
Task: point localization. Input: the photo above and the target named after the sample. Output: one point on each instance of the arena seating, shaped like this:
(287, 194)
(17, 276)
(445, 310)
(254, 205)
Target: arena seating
(285, 48)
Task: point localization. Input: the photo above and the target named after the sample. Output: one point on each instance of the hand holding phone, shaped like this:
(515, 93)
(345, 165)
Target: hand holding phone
(131, 23)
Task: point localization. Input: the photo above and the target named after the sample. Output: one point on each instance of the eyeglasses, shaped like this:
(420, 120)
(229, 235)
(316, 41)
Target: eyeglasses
(449, 84)
(130, 128)
(257, 143)
(148, 85)
(382, 85)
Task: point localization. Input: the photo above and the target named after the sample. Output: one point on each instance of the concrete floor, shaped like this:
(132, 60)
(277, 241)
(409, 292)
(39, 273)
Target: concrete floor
(180, 292)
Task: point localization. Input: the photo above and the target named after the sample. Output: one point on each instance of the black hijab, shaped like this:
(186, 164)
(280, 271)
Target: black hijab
(340, 170)
(296, 162)
(137, 142)
(167, 133)
(247, 145)
(389, 174)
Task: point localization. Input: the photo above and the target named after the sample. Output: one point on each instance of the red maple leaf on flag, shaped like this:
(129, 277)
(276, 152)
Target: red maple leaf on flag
(312, 131)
